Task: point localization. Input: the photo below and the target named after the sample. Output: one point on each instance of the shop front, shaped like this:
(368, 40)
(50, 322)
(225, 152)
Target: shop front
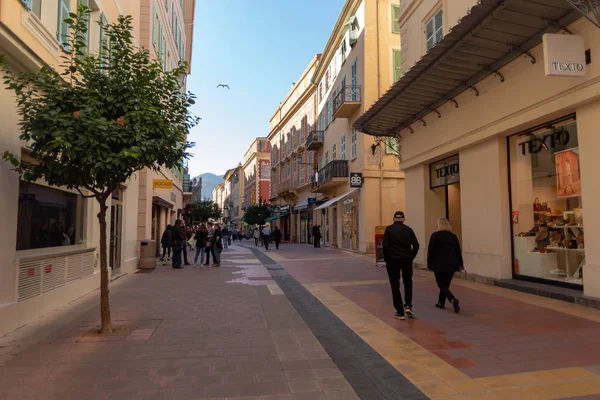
(303, 212)
(546, 203)
(350, 209)
(339, 220)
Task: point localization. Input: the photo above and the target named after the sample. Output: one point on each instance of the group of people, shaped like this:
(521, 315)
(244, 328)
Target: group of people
(207, 239)
(265, 235)
(444, 258)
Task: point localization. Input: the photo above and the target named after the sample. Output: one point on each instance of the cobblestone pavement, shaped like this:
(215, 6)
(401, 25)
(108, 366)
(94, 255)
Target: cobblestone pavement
(303, 323)
(503, 344)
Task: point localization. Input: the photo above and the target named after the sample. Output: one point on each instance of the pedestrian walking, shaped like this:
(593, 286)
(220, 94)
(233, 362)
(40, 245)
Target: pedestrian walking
(277, 237)
(210, 250)
(201, 237)
(256, 235)
(178, 238)
(226, 237)
(316, 236)
(400, 247)
(266, 235)
(167, 242)
(218, 246)
(444, 258)
(185, 231)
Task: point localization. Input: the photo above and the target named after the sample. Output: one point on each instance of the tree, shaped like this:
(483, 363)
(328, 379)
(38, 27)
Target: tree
(104, 117)
(256, 214)
(204, 210)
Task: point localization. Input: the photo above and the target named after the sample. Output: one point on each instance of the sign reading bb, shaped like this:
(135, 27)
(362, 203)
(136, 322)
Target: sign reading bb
(356, 179)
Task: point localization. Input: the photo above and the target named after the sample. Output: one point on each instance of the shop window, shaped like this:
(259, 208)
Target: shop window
(48, 217)
(547, 213)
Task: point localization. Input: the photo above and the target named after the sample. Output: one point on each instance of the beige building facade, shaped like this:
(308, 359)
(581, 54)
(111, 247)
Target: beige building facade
(497, 116)
(360, 61)
(50, 236)
(291, 161)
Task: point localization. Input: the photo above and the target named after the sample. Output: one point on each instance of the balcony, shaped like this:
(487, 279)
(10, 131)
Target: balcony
(347, 101)
(283, 187)
(333, 174)
(314, 141)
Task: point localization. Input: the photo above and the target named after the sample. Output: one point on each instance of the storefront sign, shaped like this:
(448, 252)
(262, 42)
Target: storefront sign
(276, 210)
(348, 201)
(312, 200)
(162, 184)
(515, 217)
(444, 172)
(549, 141)
(284, 209)
(356, 179)
(564, 55)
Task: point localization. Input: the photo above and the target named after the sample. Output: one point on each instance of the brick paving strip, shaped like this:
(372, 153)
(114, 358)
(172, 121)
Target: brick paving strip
(219, 333)
(371, 376)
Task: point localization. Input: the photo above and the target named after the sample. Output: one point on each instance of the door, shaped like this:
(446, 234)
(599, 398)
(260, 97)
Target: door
(116, 223)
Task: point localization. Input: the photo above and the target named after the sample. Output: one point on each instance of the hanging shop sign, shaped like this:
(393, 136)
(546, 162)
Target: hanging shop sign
(349, 201)
(284, 209)
(312, 200)
(162, 184)
(444, 172)
(356, 180)
(564, 55)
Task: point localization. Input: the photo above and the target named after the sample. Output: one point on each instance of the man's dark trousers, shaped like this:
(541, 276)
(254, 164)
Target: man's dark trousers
(395, 269)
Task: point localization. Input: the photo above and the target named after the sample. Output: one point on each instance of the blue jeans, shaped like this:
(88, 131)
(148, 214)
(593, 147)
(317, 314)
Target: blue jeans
(200, 252)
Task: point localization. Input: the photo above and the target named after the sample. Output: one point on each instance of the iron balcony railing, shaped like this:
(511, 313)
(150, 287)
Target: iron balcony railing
(335, 169)
(315, 139)
(347, 94)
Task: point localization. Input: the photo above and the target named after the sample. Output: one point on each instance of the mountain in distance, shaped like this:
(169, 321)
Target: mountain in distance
(209, 183)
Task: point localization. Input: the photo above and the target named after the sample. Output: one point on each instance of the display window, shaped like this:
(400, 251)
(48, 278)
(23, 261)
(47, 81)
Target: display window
(350, 223)
(546, 204)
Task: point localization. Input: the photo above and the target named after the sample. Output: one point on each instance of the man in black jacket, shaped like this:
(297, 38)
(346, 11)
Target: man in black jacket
(400, 247)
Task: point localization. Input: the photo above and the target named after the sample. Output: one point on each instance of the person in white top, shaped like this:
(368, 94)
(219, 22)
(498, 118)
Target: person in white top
(266, 233)
(256, 235)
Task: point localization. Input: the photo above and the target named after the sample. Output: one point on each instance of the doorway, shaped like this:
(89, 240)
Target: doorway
(450, 195)
(116, 223)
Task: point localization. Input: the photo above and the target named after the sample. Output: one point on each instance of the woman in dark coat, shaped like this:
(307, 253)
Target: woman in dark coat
(166, 242)
(444, 258)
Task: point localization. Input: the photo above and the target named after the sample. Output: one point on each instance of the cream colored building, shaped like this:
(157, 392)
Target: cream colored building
(359, 63)
(498, 127)
(233, 196)
(39, 273)
(291, 164)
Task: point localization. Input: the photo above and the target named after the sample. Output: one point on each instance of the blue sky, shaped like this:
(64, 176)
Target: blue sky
(258, 48)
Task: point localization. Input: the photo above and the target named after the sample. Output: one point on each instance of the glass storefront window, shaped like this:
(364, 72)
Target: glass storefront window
(350, 223)
(48, 217)
(547, 212)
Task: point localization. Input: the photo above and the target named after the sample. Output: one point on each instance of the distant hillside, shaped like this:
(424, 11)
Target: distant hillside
(209, 183)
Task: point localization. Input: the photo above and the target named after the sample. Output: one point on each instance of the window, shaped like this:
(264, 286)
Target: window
(354, 74)
(295, 166)
(334, 152)
(155, 24)
(62, 34)
(395, 18)
(434, 29)
(34, 5)
(48, 217)
(397, 60)
(301, 162)
(343, 50)
(103, 40)
(320, 92)
(327, 78)
(326, 157)
(391, 146)
(343, 146)
(354, 144)
(86, 36)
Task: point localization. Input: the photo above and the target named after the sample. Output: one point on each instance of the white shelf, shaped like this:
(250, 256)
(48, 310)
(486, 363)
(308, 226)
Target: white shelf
(564, 249)
(565, 226)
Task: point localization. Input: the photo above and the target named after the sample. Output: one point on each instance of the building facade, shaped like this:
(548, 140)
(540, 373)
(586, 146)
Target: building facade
(233, 197)
(257, 173)
(505, 144)
(166, 29)
(360, 61)
(291, 163)
(50, 236)
(218, 197)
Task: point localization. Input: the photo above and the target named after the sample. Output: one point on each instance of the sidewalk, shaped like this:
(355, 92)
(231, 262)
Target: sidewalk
(503, 344)
(191, 334)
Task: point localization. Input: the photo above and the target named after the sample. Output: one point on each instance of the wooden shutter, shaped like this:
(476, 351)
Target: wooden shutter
(439, 26)
(397, 61)
(395, 18)
(430, 34)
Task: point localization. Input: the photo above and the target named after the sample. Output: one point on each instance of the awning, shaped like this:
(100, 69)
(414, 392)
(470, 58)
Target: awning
(335, 200)
(301, 206)
(493, 34)
(277, 217)
(161, 202)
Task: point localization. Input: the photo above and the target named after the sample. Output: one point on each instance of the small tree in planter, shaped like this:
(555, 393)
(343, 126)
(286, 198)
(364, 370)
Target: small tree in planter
(256, 214)
(205, 210)
(104, 117)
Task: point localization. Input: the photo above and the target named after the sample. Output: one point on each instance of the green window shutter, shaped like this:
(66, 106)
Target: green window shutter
(86, 35)
(395, 18)
(104, 48)
(62, 34)
(391, 145)
(154, 23)
(397, 61)
(28, 4)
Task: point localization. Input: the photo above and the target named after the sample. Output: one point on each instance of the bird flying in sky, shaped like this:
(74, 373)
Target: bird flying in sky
(223, 86)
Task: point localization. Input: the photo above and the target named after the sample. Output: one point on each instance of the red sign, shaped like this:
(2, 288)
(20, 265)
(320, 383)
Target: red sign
(31, 272)
(515, 217)
(516, 265)
(48, 268)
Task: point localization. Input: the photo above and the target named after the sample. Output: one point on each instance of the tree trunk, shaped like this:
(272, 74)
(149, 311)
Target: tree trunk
(106, 327)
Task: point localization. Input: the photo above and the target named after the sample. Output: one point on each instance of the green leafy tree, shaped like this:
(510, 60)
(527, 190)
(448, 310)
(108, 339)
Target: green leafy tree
(256, 214)
(205, 210)
(105, 116)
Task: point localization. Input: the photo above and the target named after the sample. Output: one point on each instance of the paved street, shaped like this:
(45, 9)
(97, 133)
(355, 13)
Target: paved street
(303, 323)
